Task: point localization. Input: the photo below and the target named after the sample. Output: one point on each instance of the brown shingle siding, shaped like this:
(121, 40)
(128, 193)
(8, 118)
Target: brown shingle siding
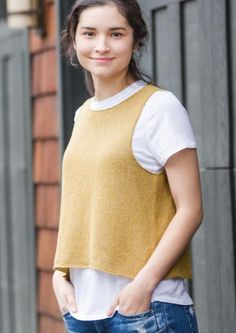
(44, 73)
(47, 200)
(50, 325)
(46, 303)
(46, 162)
(45, 117)
(46, 244)
(46, 165)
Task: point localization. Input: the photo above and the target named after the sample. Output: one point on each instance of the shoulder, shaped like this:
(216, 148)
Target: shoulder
(165, 100)
(166, 117)
(168, 127)
(163, 104)
(84, 105)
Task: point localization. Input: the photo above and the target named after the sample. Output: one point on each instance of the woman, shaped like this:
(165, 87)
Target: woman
(131, 197)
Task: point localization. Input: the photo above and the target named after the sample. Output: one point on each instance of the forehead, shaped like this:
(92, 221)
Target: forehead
(102, 16)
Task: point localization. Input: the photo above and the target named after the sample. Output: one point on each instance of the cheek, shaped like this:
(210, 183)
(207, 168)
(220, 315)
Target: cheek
(82, 49)
(82, 55)
(126, 50)
(127, 54)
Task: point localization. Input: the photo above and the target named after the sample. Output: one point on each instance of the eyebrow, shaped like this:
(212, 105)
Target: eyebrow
(112, 29)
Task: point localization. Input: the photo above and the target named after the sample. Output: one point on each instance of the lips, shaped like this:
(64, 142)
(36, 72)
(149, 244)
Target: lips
(102, 59)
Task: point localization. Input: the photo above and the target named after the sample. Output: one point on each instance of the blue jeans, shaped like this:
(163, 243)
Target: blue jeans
(160, 318)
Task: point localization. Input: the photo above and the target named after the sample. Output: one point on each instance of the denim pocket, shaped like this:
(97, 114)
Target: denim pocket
(71, 324)
(147, 313)
(137, 322)
(173, 317)
(191, 316)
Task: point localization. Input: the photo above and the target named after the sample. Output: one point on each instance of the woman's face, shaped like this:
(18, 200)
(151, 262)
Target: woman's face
(104, 42)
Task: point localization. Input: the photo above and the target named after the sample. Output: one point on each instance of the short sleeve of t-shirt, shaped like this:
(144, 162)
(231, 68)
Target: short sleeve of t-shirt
(168, 128)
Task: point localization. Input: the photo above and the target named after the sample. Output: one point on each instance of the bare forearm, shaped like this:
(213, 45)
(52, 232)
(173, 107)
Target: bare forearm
(173, 243)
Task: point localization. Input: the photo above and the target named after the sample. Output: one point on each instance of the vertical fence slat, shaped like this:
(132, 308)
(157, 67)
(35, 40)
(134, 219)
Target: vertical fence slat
(17, 278)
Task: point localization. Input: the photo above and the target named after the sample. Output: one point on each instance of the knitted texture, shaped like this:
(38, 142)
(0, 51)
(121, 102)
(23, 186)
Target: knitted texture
(113, 212)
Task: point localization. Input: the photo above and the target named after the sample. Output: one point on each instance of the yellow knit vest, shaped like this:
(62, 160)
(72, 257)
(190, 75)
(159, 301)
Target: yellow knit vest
(113, 212)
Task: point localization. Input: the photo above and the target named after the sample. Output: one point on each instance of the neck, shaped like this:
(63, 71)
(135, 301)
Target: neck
(107, 87)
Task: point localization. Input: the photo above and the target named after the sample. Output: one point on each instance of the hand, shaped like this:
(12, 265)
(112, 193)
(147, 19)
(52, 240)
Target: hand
(64, 292)
(133, 299)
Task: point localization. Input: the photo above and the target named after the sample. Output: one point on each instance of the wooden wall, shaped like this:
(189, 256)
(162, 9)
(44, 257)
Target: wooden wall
(46, 164)
(192, 52)
(17, 264)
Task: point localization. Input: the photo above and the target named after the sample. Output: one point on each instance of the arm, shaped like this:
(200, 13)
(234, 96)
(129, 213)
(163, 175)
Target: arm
(183, 175)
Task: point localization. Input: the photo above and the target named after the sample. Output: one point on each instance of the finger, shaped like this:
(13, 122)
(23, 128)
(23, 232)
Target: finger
(112, 307)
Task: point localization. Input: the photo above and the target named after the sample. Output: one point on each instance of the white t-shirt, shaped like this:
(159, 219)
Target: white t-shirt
(162, 130)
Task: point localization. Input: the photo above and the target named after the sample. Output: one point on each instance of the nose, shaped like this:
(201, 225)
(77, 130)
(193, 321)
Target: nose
(102, 45)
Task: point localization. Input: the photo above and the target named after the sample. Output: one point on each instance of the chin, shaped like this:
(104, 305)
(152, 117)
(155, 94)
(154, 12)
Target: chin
(108, 74)
(103, 75)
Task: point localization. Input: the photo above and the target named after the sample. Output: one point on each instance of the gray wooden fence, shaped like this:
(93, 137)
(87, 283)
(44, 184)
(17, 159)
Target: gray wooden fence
(17, 265)
(192, 52)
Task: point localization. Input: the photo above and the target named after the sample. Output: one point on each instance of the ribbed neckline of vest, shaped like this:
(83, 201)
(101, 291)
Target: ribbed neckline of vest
(118, 105)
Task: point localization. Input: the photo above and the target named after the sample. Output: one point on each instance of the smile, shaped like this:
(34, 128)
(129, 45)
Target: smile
(102, 60)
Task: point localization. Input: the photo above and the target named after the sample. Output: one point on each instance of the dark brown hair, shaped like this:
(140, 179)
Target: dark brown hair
(130, 10)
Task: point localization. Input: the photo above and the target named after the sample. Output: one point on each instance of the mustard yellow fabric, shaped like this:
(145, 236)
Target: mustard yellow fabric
(113, 212)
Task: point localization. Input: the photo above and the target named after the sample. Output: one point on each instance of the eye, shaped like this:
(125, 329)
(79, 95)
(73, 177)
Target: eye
(89, 34)
(117, 34)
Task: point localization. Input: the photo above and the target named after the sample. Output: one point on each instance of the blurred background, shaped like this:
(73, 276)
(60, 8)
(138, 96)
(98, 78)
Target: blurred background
(191, 52)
